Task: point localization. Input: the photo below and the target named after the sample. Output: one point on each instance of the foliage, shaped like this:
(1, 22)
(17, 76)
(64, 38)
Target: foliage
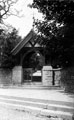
(7, 43)
(8, 39)
(36, 61)
(56, 30)
(61, 10)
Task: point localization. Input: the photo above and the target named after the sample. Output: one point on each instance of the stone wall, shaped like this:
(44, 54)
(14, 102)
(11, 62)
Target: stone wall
(5, 76)
(63, 77)
(11, 76)
(57, 77)
(67, 79)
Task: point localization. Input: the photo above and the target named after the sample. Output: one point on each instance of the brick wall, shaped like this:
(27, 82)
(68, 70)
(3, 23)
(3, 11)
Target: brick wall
(5, 76)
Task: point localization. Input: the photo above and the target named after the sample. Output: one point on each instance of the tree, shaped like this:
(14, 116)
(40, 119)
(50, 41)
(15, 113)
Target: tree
(5, 8)
(8, 38)
(7, 43)
(36, 61)
(56, 30)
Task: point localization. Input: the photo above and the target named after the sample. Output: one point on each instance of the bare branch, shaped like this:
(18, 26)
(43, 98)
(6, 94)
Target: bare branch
(5, 8)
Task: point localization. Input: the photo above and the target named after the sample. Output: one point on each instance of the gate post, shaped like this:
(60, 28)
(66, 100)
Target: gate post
(17, 75)
(53, 77)
(47, 76)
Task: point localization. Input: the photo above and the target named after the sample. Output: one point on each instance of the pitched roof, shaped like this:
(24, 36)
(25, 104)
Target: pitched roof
(22, 43)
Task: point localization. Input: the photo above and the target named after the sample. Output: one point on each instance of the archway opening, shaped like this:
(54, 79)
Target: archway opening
(32, 65)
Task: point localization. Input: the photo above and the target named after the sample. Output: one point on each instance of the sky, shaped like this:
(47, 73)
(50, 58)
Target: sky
(23, 24)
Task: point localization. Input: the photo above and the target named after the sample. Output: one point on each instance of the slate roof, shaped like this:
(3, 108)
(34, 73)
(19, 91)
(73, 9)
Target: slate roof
(22, 43)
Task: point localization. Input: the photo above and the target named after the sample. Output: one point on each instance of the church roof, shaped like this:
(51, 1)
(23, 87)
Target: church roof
(22, 43)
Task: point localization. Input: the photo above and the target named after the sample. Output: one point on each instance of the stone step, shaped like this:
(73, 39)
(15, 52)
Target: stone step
(40, 105)
(37, 100)
(41, 87)
(40, 111)
(64, 111)
(32, 86)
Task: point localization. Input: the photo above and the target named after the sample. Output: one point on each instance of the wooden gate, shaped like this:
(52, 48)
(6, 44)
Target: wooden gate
(27, 74)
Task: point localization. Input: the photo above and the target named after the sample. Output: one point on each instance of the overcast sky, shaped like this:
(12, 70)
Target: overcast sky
(23, 24)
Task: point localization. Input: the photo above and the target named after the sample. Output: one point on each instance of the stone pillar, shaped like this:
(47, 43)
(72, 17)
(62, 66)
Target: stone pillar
(17, 75)
(47, 76)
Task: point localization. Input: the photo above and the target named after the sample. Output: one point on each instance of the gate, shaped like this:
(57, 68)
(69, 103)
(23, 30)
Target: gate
(27, 74)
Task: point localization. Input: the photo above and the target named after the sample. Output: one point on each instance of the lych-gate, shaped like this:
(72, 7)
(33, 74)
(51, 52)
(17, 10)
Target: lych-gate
(29, 54)
(30, 76)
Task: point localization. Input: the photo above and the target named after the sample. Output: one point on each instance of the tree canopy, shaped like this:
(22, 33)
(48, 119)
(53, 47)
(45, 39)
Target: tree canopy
(56, 30)
(7, 42)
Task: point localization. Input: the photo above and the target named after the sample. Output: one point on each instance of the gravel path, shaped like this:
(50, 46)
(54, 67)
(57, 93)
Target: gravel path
(7, 113)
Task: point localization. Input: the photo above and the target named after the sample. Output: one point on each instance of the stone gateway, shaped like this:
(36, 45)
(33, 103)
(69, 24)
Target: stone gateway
(31, 65)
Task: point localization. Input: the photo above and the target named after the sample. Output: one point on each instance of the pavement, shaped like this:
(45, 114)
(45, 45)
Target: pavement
(53, 102)
(57, 95)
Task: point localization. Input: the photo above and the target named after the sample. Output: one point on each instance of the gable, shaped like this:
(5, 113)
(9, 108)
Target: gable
(28, 41)
(22, 43)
